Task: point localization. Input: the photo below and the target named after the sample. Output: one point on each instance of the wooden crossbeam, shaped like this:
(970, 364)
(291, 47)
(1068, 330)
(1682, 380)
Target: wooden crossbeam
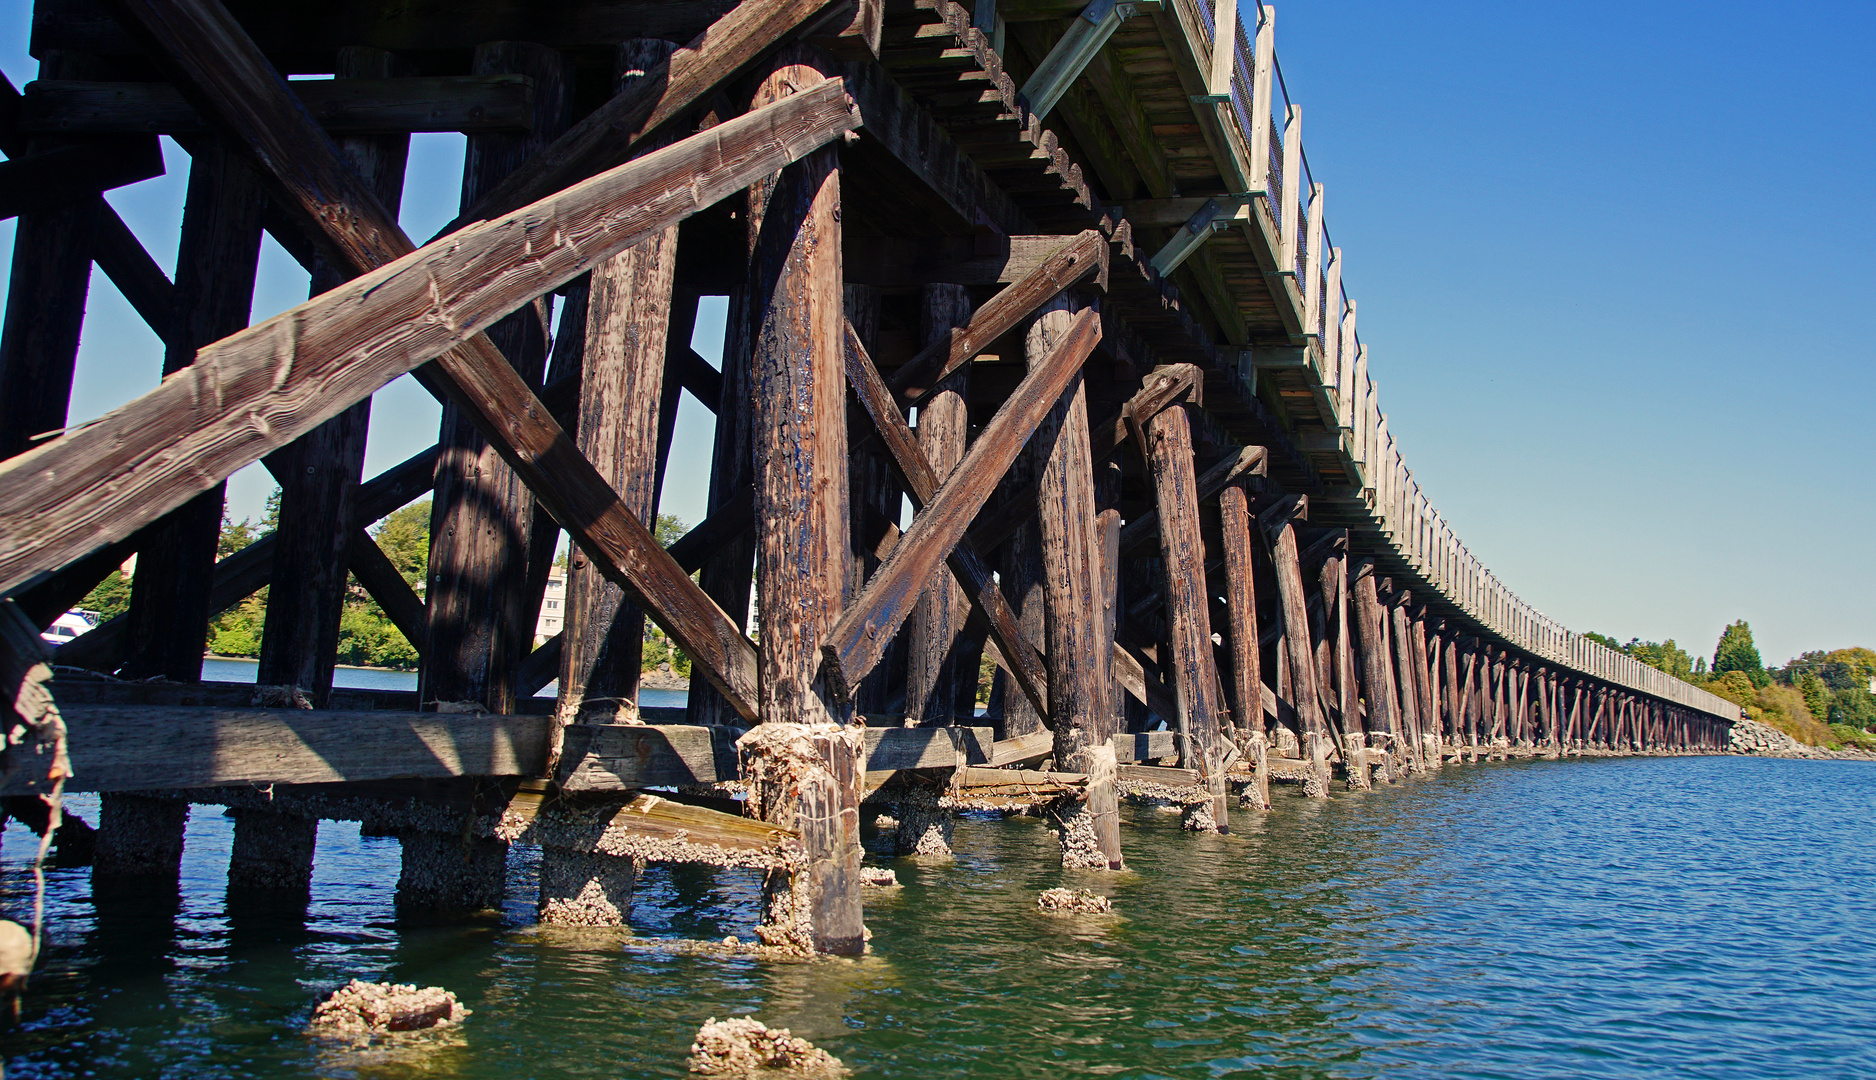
(1249, 460)
(437, 299)
(858, 640)
(467, 103)
(666, 90)
(1162, 389)
(50, 178)
(1084, 256)
(152, 747)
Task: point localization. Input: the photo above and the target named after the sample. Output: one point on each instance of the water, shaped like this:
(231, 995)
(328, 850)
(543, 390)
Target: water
(218, 669)
(1702, 917)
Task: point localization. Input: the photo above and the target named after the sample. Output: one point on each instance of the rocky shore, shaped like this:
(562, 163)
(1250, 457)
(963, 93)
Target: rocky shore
(1764, 740)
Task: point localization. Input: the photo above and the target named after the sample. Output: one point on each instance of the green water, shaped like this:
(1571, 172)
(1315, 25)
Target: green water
(1694, 917)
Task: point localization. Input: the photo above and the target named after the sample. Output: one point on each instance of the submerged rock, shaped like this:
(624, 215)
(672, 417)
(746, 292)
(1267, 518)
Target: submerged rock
(1075, 901)
(879, 877)
(362, 1008)
(742, 1046)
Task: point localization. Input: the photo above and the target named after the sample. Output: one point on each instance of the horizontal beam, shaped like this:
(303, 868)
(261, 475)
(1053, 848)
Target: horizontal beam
(621, 757)
(466, 103)
(65, 174)
(146, 747)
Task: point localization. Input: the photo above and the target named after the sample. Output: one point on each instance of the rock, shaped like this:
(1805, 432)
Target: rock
(742, 1046)
(16, 956)
(1074, 901)
(362, 1008)
(878, 877)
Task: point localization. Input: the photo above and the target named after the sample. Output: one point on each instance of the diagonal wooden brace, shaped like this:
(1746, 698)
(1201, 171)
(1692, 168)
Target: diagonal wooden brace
(857, 641)
(1082, 256)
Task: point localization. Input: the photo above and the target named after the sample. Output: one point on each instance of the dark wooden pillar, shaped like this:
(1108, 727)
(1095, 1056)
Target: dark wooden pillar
(215, 266)
(482, 518)
(1335, 607)
(1297, 647)
(319, 474)
(1079, 651)
(875, 502)
(1168, 449)
(1409, 682)
(51, 273)
(1020, 575)
(1247, 681)
(726, 573)
(932, 667)
(620, 429)
(1371, 638)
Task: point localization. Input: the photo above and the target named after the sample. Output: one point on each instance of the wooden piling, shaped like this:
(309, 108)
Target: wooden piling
(481, 518)
(1241, 603)
(932, 668)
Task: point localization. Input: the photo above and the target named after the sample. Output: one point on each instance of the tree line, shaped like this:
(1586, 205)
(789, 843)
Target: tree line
(367, 636)
(1820, 697)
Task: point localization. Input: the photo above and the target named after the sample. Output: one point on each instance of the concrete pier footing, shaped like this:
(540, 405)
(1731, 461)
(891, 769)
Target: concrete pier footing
(581, 888)
(445, 872)
(272, 852)
(139, 839)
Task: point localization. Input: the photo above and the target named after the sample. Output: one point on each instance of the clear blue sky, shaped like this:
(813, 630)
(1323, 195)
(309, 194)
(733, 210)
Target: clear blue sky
(1615, 272)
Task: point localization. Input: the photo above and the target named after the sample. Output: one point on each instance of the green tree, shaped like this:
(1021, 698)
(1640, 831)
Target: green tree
(237, 631)
(1604, 640)
(110, 599)
(1816, 694)
(668, 529)
(1662, 656)
(1854, 707)
(1736, 652)
(236, 535)
(405, 538)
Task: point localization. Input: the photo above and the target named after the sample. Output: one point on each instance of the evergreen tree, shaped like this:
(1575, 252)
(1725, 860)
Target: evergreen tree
(1736, 652)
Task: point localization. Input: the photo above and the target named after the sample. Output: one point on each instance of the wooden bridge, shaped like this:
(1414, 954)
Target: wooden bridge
(1056, 273)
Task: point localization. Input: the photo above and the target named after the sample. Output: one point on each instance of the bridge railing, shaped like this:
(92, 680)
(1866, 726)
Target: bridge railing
(1266, 146)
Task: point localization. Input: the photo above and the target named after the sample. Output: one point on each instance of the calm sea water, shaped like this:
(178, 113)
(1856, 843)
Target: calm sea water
(217, 669)
(1707, 917)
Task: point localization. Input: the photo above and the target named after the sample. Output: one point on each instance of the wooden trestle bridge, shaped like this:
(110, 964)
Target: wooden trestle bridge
(1055, 271)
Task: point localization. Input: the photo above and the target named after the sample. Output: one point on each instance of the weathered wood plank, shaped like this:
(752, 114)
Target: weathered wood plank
(1021, 750)
(620, 757)
(889, 748)
(1144, 746)
(343, 106)
(146, 747)
(650, 829)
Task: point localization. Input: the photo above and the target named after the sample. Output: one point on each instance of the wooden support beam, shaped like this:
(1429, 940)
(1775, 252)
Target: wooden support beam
(75, 172)
(724, 560)
(45, 308)
(347, 105)
(481, 518)
(216, 265)
(1247, 684)
(319, 476)
(855, 644)
(1167, 442)
(1306, 696)
(606, 136)
(154, 747)
(875, 504)
(1086, 34)
(710, 166)
(932, 670)
(1078, 651)
(798, 420)
(1086, 255)
(622, 369)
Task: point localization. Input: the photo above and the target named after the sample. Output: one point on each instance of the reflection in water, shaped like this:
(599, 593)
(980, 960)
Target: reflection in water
(1694, 918)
